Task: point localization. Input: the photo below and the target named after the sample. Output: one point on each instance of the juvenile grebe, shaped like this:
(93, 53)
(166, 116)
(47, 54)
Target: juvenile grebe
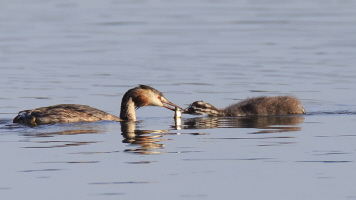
(261, 106)
(134, 98)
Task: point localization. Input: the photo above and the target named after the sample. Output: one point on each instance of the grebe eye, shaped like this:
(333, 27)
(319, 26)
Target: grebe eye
(159, 97)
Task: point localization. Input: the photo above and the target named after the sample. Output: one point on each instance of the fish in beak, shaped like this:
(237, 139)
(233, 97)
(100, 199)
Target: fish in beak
(167, 104)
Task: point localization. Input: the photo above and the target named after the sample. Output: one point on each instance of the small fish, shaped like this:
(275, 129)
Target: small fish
(177, 118)
(177, 113)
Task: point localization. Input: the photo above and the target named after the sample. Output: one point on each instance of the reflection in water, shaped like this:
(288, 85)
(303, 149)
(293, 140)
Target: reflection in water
(52, 131)
(61, 144)
(148, 140)
(271, 124)
(64, 132)
(148, 144)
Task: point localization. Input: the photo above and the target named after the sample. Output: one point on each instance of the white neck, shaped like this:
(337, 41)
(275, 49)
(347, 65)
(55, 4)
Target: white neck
(128, 110)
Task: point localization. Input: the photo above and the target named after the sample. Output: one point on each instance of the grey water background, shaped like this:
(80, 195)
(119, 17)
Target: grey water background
(92, 52)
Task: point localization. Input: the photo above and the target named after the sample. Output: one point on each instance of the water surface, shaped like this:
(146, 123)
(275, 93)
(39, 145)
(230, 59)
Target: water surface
(92, 52)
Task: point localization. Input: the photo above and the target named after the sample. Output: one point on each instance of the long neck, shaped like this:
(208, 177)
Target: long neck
(127, 109)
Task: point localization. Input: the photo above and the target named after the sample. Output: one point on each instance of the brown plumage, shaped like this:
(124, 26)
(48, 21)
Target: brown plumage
(261, 106)
(134, 98)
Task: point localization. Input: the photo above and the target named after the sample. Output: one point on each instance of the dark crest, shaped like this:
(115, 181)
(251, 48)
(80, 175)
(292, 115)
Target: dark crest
(146, 87)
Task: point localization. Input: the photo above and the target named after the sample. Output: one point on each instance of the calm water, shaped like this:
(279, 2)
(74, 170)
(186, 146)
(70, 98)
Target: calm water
(91, 52)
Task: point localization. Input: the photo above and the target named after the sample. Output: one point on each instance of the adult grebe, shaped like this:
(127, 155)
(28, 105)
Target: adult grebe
(134, 98)
(261, 106)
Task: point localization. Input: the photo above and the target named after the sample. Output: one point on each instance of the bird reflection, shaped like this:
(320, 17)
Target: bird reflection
(148, 141)
(143, 140)
(267, 124)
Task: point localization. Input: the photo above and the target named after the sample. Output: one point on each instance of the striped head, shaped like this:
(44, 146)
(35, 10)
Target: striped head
(25, 117)
(202, 108)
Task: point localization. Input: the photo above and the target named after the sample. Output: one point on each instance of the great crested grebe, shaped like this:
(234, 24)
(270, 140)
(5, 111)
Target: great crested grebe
(134, 98)
(257, 106)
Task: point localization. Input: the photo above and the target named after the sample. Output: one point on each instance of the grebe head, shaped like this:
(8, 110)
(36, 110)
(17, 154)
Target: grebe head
(145, 95)
(201, 108)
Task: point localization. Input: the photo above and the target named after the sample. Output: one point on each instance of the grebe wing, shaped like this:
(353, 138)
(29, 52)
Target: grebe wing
(62, 113)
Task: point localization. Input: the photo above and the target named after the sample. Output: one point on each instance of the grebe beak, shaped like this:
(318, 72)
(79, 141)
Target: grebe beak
(165, 102)
(185, 111)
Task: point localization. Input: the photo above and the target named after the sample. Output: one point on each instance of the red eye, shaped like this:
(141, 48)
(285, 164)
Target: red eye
(159, 97)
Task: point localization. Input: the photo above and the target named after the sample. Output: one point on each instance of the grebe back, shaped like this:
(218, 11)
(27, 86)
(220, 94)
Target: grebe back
(262, 106)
